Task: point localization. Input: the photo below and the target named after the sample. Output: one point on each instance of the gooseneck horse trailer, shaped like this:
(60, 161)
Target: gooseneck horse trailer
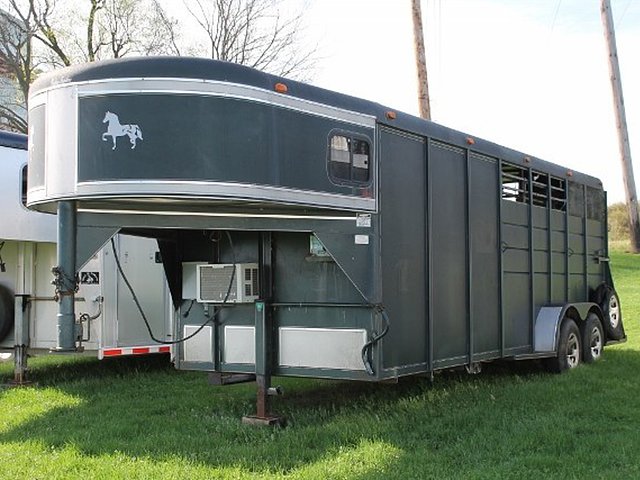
(309, 233)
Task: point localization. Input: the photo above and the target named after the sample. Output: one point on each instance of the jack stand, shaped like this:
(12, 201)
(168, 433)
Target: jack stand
(21, 332)
(20, 368)
(263, 417)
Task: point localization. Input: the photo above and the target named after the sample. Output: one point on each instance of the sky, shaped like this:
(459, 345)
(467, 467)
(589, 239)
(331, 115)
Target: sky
(529, 74)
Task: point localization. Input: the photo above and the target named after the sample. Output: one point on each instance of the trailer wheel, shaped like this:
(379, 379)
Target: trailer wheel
(592, 338)
(569, 347)
(6, 312)
(610, 306)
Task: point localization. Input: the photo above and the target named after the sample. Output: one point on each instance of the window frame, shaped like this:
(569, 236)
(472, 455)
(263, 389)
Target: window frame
(350, 182)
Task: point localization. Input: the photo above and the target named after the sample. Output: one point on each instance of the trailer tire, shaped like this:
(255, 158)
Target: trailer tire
(610, 306)
(569, 346)
(6, 312)
(592, 338)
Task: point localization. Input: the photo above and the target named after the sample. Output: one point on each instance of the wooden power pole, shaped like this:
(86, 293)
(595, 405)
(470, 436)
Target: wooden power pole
(621, 120)
(421, 63)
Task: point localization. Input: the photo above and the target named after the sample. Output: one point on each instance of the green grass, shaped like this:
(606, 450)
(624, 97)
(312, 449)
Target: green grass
(139, 418)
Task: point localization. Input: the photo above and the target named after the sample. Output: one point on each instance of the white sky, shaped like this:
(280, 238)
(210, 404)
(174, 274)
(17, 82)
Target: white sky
(529, 74)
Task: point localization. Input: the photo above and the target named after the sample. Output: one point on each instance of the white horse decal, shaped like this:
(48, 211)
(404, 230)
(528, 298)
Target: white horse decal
(115, 129)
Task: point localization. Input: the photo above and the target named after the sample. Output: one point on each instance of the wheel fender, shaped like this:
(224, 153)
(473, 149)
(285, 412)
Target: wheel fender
(549, 319)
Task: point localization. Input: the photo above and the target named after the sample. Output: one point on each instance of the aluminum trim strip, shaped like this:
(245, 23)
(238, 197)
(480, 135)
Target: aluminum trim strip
(224, 190)
(172, 213)
(206, 87)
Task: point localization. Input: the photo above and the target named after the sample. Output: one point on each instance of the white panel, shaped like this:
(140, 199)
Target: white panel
(337, 348)
(61, 133)
(239, 344)
(189, 280)
(200, 347)
(18, 223)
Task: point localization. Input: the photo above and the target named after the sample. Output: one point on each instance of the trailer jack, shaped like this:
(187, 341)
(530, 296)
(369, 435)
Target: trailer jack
(263, 417)
(21, 332)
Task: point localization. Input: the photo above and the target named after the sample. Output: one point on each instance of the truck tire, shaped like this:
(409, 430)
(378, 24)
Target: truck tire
(610, 306)
(569, 346)
(6, 312)
(592, 338)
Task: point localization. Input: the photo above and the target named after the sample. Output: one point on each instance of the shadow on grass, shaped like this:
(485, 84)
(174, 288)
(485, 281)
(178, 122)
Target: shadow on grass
(143, 408)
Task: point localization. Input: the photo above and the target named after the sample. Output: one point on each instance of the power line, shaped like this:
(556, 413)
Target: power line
(624, 11)
(555, 15)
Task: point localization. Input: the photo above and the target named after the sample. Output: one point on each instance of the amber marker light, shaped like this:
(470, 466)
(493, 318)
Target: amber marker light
(527, 160)
(281, 88)
(470, 141)
(569, 173)
(391, 115)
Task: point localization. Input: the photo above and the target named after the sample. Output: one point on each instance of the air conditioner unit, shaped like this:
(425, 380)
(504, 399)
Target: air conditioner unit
(213, 283)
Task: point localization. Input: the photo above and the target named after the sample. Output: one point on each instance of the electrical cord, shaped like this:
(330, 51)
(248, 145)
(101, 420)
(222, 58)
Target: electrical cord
(366, 348)
(144, 316)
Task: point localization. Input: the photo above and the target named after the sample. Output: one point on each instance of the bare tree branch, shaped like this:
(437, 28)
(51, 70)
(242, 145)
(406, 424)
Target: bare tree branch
(16, 67)
(253, 33)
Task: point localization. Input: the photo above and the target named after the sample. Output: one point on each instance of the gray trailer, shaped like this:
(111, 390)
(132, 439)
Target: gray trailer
(308, 233)
(108, 321)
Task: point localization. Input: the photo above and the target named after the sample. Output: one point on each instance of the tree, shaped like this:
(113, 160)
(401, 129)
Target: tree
(43, 34)
(58, 33)
(109, 29)
(254, 33)
(17, 69)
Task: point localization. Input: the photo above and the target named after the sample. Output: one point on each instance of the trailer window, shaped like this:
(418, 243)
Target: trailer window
(515, 183)
(576, 199)
(558, 194)
(539, 185)
(595, 204)
(23, 186)
(349, 159)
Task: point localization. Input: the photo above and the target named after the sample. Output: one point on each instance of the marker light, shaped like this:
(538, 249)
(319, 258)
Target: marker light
(281, 88)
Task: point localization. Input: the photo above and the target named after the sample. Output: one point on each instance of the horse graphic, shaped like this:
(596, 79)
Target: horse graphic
(115, 129)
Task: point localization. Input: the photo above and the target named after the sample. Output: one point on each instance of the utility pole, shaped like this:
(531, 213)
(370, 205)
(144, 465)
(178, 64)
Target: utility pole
(621, 121)
(421, 63)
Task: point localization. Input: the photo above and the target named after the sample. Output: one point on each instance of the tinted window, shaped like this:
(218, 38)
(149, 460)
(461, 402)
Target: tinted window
(349, 159)
(23, 186)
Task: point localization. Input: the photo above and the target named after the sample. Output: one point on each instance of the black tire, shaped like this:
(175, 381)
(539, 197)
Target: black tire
(610, 306)
(6, 312)
(569, 347)
(592, 335)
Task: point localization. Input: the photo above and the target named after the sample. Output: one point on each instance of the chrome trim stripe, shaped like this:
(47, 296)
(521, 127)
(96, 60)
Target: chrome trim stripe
(214, 88)
(223, 190)
(172, 213)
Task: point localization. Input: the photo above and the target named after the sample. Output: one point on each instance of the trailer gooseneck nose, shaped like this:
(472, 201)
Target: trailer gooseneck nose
(65, 277)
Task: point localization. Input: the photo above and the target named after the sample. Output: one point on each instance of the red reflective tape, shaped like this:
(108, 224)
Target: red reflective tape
(139, 350)
(112, 352)
(164, 349)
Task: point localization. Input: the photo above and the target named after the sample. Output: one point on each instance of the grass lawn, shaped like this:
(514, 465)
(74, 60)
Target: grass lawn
(141, 419)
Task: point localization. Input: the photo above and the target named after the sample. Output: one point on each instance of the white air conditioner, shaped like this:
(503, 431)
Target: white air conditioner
(212, 283)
